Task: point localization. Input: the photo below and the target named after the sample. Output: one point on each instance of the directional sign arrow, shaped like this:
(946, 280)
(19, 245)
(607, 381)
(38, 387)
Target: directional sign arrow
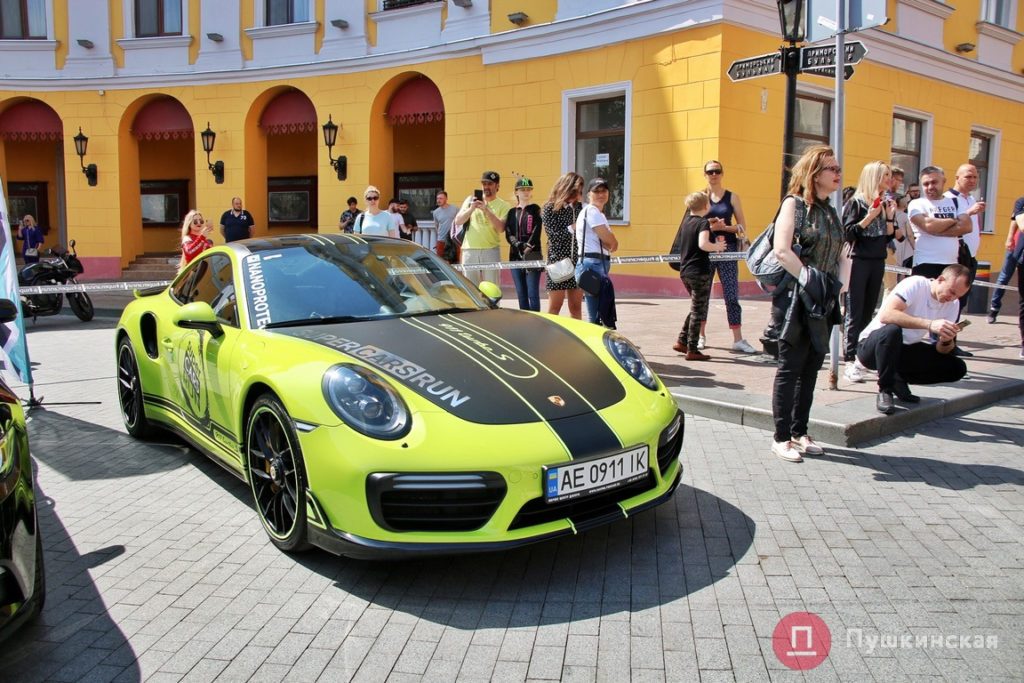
(829, 71)
(816, 56)
(752, 67)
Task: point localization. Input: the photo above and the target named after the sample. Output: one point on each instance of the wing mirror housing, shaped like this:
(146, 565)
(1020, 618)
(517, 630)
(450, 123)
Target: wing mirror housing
(491, 292)
(198, 315)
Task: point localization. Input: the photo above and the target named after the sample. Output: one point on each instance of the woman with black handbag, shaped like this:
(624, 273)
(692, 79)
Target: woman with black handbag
(595, 243)
(522, 231)
(559, 217)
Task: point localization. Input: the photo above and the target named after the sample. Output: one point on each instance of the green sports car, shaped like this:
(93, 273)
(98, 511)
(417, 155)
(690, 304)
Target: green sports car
(379, 404)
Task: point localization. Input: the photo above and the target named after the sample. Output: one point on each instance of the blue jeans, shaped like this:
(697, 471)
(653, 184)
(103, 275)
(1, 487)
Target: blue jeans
(601, 267)
(1009, 265)
(527, 283)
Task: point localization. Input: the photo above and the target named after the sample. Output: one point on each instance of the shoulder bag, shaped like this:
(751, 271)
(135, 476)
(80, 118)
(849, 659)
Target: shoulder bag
(761, 259)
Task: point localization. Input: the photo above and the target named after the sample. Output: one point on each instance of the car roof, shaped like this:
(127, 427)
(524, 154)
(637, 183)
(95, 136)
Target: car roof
(273, 243)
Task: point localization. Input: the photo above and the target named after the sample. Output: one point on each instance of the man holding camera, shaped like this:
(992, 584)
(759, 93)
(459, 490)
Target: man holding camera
(911, 339)
(486, 213)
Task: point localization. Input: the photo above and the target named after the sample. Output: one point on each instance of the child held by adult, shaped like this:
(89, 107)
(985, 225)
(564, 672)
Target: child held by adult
(695, 270)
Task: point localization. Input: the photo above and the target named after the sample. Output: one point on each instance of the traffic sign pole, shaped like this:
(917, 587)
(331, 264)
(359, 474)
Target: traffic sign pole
(835, 341)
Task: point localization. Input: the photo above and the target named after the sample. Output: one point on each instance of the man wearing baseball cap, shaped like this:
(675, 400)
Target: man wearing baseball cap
(486, 227)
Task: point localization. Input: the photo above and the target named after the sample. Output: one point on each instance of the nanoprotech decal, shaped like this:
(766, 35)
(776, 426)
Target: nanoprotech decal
(414, 375)
(193, 388)
(259, 309)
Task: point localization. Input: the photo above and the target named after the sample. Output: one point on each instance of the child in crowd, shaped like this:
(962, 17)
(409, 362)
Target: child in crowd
(695, 270)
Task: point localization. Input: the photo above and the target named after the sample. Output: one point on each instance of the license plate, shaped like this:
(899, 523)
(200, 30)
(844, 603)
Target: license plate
(589, 477)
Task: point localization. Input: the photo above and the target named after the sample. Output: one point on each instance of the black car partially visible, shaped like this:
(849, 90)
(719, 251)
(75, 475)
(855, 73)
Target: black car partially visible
(22, 587)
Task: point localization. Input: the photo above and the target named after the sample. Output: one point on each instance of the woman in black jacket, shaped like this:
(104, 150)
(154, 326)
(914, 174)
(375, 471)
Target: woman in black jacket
(868, 224)
(522, 230)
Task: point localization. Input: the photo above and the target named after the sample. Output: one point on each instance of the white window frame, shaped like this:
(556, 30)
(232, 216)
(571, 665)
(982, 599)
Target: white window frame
(260, 15)
(48, 42)
(129, 25)
(927, 121)
(819, 93)
(990, 193)
(570, 98)
(1011, 14)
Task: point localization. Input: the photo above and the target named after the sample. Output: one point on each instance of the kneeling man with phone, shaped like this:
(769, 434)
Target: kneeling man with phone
(911, 339)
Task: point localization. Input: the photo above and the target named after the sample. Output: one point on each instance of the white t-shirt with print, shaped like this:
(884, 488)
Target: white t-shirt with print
(963, 203)
(933, 248)
(593, 218)
(916, 293)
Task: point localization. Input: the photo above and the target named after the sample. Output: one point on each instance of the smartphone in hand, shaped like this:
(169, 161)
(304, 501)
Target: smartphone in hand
(962, 324)
(875, 204)
(478, 195)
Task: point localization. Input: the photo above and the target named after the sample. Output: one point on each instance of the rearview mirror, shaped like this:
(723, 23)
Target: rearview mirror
(198, 315)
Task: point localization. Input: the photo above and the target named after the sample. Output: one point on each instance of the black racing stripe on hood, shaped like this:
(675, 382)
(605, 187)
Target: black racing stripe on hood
(489, 367)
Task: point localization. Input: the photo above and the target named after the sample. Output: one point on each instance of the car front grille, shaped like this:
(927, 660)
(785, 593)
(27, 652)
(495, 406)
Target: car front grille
(670, 442)
(434, 502)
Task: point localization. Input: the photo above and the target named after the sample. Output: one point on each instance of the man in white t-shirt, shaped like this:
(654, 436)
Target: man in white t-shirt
(966, 183)
(911, 339)
(937, 225)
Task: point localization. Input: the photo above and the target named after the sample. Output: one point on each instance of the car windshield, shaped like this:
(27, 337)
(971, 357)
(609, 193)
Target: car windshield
(326, 281)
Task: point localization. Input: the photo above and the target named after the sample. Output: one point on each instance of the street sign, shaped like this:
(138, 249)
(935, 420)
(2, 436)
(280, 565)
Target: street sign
(860, 15)
(753, 67)
(829, 71)
(817, 56)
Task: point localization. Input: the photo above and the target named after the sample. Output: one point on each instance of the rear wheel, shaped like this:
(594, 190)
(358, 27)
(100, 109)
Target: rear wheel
(129, 391)
(81, 304)
(276, 473)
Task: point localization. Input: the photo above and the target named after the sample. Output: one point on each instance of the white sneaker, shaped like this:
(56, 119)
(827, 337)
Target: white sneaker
(806, 445)
(853, 372)
(785, 451)
(743, 347)
(1021, 356)
(701, 342)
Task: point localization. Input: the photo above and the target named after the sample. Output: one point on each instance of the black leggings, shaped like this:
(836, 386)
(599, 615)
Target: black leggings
(862, 295)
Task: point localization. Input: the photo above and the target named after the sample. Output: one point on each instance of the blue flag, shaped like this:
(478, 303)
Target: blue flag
(13, 345)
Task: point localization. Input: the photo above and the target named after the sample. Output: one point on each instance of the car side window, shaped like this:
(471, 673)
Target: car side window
(215, 285)
(182, 290)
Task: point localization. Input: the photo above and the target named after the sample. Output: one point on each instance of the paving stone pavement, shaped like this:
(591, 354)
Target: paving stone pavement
(157, 568)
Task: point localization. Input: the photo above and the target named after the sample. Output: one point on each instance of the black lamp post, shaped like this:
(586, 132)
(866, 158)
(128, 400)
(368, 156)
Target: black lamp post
(217, 167)
(793, 26)
(330, 139)
(81, 147)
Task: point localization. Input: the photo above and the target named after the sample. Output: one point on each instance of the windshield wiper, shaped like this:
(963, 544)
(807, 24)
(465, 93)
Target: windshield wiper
(329, 320)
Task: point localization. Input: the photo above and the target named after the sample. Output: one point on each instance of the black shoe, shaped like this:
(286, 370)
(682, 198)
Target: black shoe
(902, 391)
(963, 354)
(884, 403)
(992, 316)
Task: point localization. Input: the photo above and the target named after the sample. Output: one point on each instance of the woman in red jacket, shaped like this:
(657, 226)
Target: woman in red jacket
(195, 237)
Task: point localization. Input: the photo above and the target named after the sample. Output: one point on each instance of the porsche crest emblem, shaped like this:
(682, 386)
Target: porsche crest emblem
(557, 400)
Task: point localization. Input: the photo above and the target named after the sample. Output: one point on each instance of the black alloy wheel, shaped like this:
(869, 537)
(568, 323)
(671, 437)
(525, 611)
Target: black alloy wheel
(129, 391)
(276, 474)
(81, 305)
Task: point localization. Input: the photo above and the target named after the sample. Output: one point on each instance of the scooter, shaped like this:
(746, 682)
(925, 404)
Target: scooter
(55, 268)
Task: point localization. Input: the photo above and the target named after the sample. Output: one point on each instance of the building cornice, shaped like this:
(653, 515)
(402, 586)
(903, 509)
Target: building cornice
(933, 7)
(155, 42)
(1000, 33)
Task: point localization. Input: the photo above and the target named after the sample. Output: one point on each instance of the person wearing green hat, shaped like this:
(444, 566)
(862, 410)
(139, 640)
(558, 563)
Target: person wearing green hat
(522, 230)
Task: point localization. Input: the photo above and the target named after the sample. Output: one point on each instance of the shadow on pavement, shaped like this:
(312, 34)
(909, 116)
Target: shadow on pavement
(938, 473)
(74, 637)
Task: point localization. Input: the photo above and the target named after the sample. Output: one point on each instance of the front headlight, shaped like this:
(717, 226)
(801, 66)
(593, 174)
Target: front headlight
(366, 402)
(630, 359)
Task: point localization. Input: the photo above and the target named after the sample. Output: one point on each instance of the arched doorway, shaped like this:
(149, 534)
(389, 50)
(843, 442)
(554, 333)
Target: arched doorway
(288, 128)
(32, 166)
(407, 129)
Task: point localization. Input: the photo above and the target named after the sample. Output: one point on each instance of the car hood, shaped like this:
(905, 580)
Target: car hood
(490, 367)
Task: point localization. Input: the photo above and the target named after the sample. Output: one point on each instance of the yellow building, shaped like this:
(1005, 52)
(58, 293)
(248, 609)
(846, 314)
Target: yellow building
(428, 94)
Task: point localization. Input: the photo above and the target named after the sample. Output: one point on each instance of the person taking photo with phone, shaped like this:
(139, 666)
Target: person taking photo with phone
(912, 338)
(486, 213)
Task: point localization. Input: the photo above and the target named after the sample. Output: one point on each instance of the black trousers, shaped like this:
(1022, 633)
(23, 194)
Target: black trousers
(928, 269)
(973, 266)
(883, 350)
(793, 392)
(862, 295)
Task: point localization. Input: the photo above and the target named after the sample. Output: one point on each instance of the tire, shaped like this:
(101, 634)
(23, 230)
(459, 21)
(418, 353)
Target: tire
(276, 473)
(129, 391)
(81, 305)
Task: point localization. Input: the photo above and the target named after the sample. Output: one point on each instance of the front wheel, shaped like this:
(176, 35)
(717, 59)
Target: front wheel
(81, 304)
(129, 391)
(276, 474)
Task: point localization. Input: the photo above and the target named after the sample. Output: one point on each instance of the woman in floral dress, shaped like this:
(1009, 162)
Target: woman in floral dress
(559, 217)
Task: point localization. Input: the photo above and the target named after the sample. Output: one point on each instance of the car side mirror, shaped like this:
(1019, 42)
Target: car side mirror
(8, 310)
(491, 292)
(198, 315)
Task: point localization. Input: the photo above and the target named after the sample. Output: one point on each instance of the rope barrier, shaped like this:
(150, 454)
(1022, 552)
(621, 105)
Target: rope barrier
(500, 265)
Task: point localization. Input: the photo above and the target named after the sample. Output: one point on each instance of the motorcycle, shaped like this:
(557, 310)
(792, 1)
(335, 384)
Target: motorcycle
(56, 268)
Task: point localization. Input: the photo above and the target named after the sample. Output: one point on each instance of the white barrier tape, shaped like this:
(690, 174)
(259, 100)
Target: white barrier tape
(501, 265)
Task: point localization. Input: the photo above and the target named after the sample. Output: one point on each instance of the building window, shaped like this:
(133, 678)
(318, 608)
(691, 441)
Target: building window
(907, 139)
(164, 202)
(982, 156)
(157, 18)
(601, 146)
(812, 125)
(399, 4)
(292, 201)
(20, 19)
(997, 12)
(280, 12)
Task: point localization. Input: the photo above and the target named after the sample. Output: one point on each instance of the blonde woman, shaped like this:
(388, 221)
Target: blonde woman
(374, 221)
(869, 223)
(195, 237)
(808, 219)
(559, 215)
(32, 237)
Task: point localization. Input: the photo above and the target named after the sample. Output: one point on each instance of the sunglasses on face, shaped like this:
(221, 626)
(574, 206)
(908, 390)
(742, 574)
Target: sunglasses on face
(198, 221)
(834, 169)
(713, 171)
(372, 199)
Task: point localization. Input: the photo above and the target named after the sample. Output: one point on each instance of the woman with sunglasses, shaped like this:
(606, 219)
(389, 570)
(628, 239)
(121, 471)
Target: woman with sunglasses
(726, 205)
(559, 216)
(808, 243)
(374, 221)
(32, 237)
(195, 237)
